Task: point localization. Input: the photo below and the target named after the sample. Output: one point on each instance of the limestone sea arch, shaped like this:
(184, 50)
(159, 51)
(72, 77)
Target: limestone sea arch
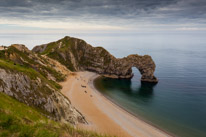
(77, 55)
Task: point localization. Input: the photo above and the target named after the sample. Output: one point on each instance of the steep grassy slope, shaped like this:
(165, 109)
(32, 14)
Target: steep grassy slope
(20, 120)
(19, 54)
(32, 79)
(30, 101)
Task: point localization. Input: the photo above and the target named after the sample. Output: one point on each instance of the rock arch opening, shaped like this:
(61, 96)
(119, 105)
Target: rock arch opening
(136, 73)
(145, 65)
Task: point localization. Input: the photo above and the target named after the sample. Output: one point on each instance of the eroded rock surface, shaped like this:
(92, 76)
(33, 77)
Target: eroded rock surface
(77, 55)
(33, 80)
(36, 93)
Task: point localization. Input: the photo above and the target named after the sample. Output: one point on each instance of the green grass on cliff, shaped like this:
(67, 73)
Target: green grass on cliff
(64, 49)
(53, 51)
(17, 119)
(48, 49)
(33, 74)
(20, 120)
(51, 47)
(30, 62)
(29, 68)
(9, 65)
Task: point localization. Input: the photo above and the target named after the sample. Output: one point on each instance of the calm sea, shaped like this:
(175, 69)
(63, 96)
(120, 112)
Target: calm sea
(177, 103)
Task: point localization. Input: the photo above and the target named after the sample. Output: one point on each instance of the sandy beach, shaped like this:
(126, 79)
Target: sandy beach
(102, 115)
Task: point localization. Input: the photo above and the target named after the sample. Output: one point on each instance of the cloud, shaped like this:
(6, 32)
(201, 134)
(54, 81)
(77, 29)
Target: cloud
(89, 9)
(59, 25)
(190, 29)
(103, 14)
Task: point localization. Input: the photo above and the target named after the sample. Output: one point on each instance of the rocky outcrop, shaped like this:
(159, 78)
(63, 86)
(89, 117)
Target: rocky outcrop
(77, 55)
(3, 48)
(20, 47)
(49, 68)
(37, 93)
(32, 79)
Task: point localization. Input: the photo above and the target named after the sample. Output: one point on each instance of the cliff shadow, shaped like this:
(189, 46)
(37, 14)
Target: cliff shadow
(144, 89)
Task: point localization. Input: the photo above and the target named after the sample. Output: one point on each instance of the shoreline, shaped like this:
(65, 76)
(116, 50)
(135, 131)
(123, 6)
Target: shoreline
(126, 111)
(103, 115)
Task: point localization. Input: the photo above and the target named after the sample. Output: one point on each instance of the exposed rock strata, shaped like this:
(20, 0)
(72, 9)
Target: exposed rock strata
(32, 79)
(36, 93)
(50, 68)
(77, 55)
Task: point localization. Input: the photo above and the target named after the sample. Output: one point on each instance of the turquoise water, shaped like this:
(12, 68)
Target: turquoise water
(177, 103)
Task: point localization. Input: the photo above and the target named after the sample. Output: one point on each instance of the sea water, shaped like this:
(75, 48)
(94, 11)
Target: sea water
(177, 104)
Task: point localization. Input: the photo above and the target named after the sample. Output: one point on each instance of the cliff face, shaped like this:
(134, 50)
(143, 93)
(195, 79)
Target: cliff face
(77, 55)
(39, 94)
(19, 54)
(31, 79)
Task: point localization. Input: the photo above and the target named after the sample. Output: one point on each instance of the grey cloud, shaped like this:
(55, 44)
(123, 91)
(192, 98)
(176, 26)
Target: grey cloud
(159, 11)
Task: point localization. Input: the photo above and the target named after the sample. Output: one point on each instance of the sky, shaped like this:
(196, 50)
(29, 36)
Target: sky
(59, 16)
